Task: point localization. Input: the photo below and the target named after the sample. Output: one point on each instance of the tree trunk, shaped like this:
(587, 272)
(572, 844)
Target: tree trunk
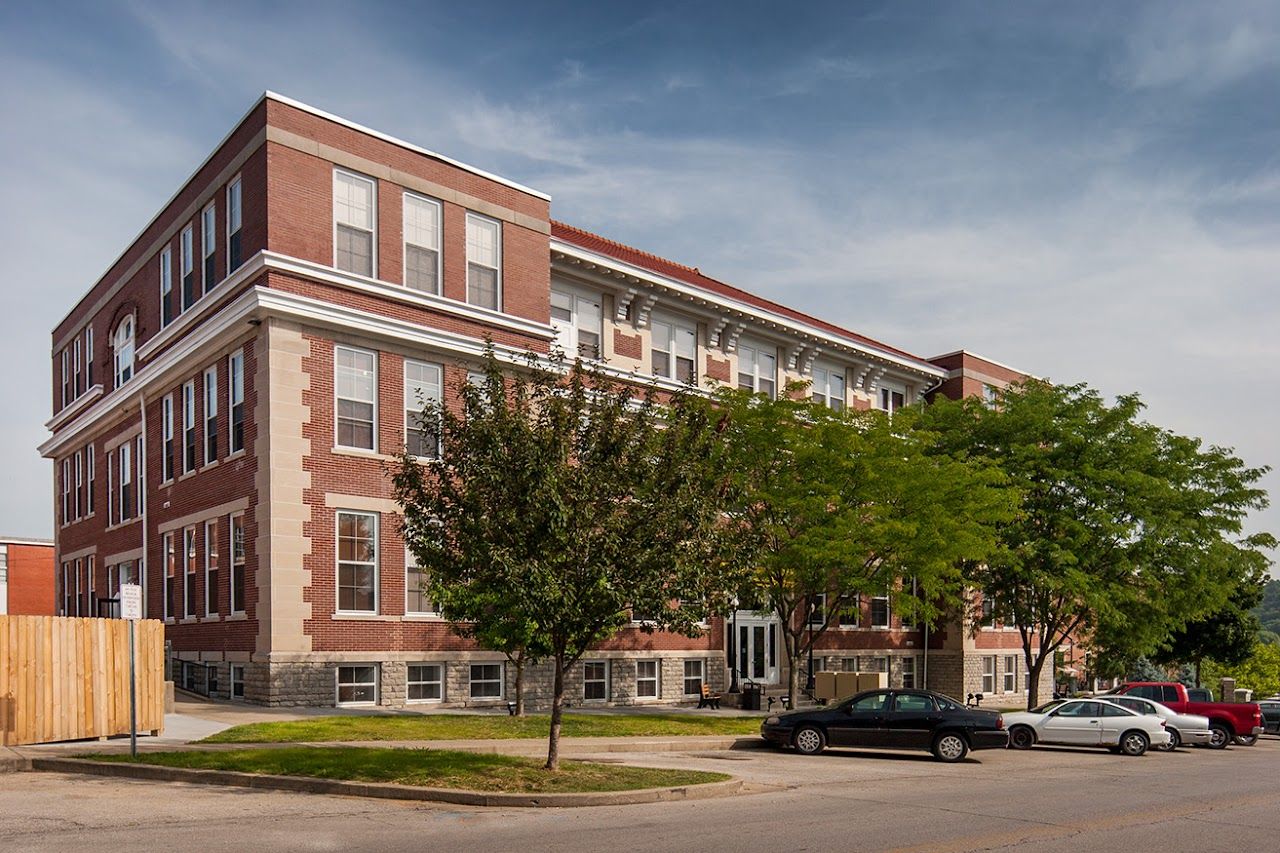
(519, 662)
(793, 678)
(1033, 681)
(557, 711)
(1197, 672)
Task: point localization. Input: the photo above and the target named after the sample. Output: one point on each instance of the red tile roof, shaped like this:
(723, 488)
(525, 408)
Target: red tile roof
(691, 275)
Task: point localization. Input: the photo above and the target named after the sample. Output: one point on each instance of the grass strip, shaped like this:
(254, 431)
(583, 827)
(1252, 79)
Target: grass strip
(435, 768)
(479, 727)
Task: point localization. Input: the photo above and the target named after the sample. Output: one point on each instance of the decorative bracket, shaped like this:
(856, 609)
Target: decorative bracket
(731, 344)
(717, 331)
(806, 364)
(643, 310)
(622, 304)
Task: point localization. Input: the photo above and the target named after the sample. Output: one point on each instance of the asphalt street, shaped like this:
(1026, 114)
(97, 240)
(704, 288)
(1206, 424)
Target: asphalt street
(1049, 799)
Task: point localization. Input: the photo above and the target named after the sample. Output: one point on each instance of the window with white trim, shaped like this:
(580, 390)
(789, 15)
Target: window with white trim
(354, 222)
(426, 682)
(188, 427)
(693, 675)
(880, 611)
(1010, 674)
(909, 672)
(90, 464)
(237, 562)
(66, 376)
(79, 490)
(75, 367)
(167, 438)
(88, 357)
(186, 257)
(126, 483)
(189, 556)
(989, 674)
(237, 681)
(988, 617)
(595, 680)
(484, 261)
(357, 685)
(140, 469)
(485, 681)
(758, 368)
(91, 595)
(578, 319)
(421, 243)
(208, 244)
(235, 394)
(675, 350)
(818, 610)
(828, 388)
(210, 415)
(423, 383)
(417, 600)
(355, 386)
(892, 397)
(212, 564)
(648, 675)
(850, 616)
(233, 226)
(66, 490)
(166, 286)
(170, 569)
(357, 562)
(122, 344)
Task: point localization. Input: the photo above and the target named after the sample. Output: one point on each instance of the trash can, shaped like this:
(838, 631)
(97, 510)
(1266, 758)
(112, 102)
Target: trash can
(751, 696)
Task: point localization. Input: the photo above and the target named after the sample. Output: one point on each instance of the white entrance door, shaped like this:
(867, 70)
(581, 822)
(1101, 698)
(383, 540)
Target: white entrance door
(756, 647)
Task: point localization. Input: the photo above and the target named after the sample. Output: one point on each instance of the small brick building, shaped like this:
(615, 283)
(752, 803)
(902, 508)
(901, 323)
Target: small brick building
(27, 586)
(225, 398)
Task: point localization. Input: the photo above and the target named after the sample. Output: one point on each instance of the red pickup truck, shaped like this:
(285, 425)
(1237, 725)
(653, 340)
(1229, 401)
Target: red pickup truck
(1227, 720)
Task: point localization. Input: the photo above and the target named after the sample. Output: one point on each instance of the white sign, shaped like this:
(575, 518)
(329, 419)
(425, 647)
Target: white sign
(130, 601)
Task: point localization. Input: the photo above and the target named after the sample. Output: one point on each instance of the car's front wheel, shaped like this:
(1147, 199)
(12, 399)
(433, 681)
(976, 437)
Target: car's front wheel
(1134, 743)
(1175, 741)
(810, 740)
(1220, 736)
(950, 747)
(1021, 737)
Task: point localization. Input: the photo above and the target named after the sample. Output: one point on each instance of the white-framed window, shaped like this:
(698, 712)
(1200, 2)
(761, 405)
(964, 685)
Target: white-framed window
(486, 681)
(79, 490)
(357, 562)
(167, 438)
(988, 674)
(234, 215)
(90, 464)
(850, 616)
(422, 226)
(909, 672)
(892, 396)
(675, 350)
(355, 387)
(126, 483)
(170, 569)
(190, 558)
(166, 286)
(426, 682)
(66, 490)
(484, 261)
(235, 397)
(354, 223)
(357, 685)
(210, 415)
(988, 617)
(1010, 674)
(828, 388)
(188, 427)
(140, 468)
(818, 610)
(66, 377)
(237, 681)
(186, 257)
(75, 367)
(88, 357)
(578, 318)
(208, 244)
(417, 601)
(212, 565)
(990, 395)
(693, 675)
(111, 488)
(90, 598)
(595, 680)
(758, 368)
(648, 679)
(122, 344)
(237, 562)
(880, 611)
(423, 383)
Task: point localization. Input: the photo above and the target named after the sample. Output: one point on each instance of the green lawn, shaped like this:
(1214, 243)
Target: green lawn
(428, 767)
(474, 727)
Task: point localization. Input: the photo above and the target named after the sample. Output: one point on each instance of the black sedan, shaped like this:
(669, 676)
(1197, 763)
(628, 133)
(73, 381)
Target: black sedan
(890, 719)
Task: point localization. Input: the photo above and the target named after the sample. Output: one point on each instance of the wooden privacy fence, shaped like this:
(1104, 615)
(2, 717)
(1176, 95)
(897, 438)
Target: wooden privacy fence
(65, 678)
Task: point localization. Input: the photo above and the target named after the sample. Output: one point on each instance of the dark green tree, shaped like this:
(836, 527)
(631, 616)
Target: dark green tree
(1227, 635)
(561, 503)
(1268, 611)
(1126, 531)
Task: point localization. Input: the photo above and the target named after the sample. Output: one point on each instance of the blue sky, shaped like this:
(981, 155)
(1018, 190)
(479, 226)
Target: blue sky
(1090, 192)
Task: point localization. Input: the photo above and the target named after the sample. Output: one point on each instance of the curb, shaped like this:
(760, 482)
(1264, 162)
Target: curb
(385, 790)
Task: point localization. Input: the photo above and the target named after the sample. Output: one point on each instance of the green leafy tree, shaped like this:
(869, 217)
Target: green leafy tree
(1260, 672)
(1268, 611)
(849, 505)
(1227, 635)
(561, 503)
(1126, 531)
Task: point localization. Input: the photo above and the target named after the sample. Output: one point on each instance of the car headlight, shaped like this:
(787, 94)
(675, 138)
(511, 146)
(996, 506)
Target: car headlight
(773, 721)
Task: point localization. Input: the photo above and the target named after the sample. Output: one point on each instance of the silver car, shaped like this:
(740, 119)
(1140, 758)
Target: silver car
(1190, 729)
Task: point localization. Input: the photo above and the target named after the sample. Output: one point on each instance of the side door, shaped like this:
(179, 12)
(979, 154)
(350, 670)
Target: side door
(1115, 720)
(911, 721)
(1078, 723)
(861, 722)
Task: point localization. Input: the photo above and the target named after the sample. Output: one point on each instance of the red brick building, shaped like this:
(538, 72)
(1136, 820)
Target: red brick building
(27, 586)
(226, 395)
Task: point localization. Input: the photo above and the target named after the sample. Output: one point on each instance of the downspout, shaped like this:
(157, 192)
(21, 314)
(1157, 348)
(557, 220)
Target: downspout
(925, 665)
(146, 503)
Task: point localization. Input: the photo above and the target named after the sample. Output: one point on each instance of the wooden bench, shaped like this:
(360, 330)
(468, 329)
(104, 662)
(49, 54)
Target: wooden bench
(709, 699)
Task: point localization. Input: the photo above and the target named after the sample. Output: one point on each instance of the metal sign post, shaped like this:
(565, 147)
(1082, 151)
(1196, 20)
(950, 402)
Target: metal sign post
(131, 609)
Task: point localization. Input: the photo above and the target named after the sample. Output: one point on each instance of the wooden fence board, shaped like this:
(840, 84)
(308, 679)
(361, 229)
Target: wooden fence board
(67, 678)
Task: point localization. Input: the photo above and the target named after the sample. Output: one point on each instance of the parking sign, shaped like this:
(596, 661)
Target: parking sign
(130, 601)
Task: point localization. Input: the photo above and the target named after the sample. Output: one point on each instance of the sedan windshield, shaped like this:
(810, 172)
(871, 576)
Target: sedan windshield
(1047, 707)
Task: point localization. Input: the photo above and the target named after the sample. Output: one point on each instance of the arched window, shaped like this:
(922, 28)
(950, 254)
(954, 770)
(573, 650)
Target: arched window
(122, 343)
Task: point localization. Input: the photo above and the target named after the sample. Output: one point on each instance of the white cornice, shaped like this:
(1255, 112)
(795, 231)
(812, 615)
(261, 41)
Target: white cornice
(78, 405)
(746, 309)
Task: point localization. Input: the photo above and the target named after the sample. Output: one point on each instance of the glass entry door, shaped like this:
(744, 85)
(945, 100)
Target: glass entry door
(757, 647)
